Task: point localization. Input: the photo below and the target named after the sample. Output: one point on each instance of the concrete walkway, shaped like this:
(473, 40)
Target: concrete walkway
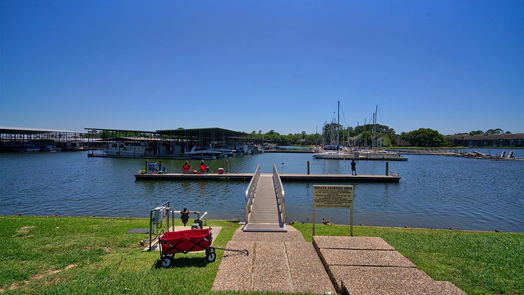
(285, 262)
(278, 262)
(369, 265)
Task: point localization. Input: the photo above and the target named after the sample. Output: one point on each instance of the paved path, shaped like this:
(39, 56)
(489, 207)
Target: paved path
(284, 262)
(369, 265)
(278, 262)
(265, 213)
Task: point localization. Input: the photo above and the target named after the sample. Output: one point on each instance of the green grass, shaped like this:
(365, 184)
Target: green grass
(477, 262)
(109, 261)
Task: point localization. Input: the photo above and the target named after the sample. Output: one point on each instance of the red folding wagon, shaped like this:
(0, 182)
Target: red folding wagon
(185, 241)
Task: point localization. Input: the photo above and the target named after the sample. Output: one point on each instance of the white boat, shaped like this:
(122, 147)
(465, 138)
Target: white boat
(361, 155)
(203, 154)
(125, 149)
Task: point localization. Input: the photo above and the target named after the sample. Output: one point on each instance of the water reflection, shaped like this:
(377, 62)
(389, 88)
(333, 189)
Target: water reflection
(437, 192)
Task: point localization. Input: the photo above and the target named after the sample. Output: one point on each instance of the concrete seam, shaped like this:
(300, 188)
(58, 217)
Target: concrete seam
(253, 261)
(373, 265)
(288, 268)
(326, 267)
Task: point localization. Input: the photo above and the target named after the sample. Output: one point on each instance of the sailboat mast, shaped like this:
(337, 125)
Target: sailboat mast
(374, 139)
(338, 123)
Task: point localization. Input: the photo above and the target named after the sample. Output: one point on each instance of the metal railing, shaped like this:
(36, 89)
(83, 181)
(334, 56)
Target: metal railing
(280, 193)
(250, 193)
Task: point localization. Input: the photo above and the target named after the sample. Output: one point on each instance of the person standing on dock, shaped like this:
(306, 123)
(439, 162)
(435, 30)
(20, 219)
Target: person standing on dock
(353, 167)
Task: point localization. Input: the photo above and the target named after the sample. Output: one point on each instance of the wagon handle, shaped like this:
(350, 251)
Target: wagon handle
(246, 252)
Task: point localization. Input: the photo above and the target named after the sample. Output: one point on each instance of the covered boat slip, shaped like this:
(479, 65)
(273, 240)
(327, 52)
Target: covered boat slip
(17, 139)
(168, 144)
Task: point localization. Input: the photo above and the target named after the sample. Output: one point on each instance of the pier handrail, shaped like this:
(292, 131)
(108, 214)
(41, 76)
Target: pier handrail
(250, 192)
(280, 193)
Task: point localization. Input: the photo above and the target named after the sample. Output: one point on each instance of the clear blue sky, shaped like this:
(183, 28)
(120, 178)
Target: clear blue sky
(450, 65)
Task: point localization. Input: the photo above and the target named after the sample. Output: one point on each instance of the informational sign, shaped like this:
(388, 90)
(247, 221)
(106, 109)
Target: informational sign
(333, 196)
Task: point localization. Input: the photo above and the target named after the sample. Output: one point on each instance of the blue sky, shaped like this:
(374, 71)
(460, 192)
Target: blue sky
(453, 65)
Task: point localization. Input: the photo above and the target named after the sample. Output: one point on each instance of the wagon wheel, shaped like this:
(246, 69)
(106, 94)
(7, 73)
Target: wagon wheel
(211, 256)
(167, 261)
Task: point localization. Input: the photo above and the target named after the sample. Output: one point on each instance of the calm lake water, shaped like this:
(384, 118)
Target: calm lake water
(434, 192)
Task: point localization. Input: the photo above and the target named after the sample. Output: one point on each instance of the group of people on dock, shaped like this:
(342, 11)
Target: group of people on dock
(203, 168)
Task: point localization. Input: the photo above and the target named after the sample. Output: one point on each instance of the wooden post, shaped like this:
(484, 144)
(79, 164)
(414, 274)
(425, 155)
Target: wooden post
(387, 168)
(146, 166)
(308, 168)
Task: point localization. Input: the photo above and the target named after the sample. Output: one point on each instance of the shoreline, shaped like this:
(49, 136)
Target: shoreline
(98, 255)
(236, 220)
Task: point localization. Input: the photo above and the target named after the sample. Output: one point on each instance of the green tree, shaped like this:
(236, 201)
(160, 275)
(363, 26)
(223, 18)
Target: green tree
(425, 137)
(495, 131)
(476, 132)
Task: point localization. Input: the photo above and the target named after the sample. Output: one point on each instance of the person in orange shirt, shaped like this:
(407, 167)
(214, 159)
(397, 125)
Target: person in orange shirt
(203, 167)
(186, 168)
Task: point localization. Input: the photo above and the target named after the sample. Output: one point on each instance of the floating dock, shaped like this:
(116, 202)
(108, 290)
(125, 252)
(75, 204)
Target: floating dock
(284, 177)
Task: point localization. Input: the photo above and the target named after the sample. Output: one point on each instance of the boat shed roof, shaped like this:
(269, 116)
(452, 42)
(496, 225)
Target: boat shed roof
(120, 130)
(21, 130)
(203, 132)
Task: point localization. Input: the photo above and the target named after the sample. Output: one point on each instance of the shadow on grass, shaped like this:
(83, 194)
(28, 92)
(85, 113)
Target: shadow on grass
(185, 262)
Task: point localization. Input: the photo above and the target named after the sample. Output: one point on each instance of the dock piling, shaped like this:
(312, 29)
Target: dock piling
(387, 168)
(308, 170)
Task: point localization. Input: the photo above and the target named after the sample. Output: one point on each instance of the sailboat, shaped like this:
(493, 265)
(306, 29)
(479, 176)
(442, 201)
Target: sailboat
(343, 153)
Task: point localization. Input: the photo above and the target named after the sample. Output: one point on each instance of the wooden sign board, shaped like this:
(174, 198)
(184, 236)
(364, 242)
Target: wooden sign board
(333, 196)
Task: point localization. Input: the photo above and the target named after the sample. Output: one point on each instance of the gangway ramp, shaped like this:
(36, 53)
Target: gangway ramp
(265, 204)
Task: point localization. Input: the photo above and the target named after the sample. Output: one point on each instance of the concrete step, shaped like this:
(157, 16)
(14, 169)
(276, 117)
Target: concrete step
(384, 285)
(352, 243)
(365, 258)
(367, 265)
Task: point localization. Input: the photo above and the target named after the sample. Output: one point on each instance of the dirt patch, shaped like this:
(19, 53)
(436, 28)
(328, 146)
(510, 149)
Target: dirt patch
(39, 276)
(24, 229)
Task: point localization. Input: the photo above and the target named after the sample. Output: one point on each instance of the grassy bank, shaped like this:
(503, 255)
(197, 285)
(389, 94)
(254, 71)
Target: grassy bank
(477, 262)
(77, 255)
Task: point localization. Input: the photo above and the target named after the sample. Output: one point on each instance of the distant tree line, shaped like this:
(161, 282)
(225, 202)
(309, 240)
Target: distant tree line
(359, 135)
(487, 132)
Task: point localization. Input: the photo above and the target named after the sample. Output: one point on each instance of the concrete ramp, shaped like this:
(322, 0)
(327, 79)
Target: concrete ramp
(265, 198)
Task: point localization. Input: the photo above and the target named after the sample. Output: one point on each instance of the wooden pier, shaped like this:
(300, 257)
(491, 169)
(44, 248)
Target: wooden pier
(284, 177)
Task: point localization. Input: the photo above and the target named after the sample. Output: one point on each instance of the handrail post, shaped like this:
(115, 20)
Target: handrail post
(279, 191)
(250, 193)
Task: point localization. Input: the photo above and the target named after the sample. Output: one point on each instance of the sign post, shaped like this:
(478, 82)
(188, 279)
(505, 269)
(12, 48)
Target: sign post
(333, 196)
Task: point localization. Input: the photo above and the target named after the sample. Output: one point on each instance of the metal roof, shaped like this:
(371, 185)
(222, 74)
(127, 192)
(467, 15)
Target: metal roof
(120, 130)
(22, 130)
(202, 132)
